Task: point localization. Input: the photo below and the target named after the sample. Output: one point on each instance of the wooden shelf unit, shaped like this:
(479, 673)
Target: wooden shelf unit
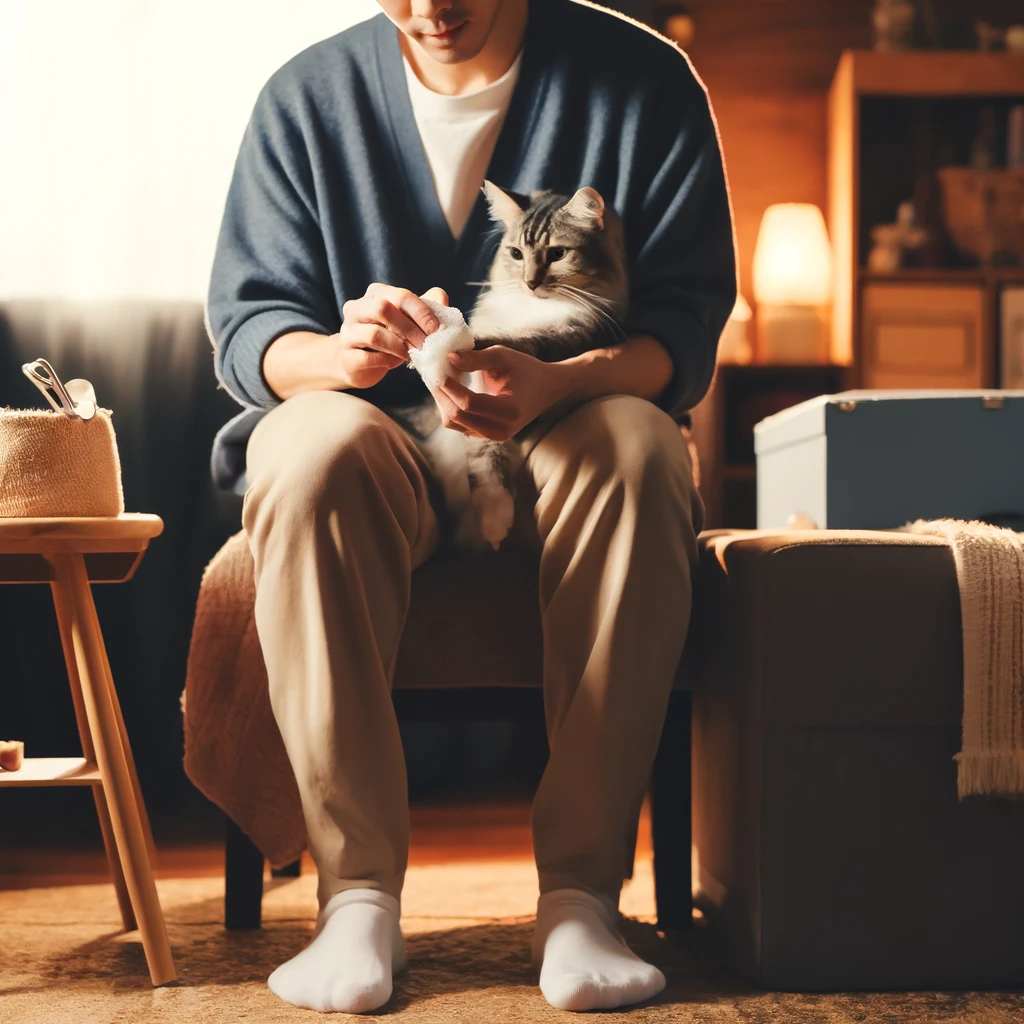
(863, 74)
(947, 275)
(930, 73)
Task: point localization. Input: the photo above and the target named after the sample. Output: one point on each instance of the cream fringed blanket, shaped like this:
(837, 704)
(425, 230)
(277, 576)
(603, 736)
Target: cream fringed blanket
(990, 574)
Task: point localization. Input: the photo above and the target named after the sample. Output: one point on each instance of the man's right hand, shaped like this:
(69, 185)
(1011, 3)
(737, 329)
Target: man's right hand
(375, 337)
(379, 329)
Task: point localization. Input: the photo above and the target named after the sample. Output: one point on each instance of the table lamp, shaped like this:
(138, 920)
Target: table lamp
(793, 285)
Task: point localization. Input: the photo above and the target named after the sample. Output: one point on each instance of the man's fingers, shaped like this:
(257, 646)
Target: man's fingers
(378, 308)
(373, 359)
(374, 336)
(366, 367)
(410, 304)
(420, 312)
(436, 295)
(500, 408)
(451, 415)
(464, 422)
(398, 322)
(482, 427)
(494, 357)
(449, 411)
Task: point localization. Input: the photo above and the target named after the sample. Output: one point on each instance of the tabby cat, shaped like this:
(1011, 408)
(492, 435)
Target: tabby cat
(558, 287)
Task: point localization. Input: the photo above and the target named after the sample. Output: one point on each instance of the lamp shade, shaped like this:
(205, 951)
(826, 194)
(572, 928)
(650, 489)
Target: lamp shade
(793, 258)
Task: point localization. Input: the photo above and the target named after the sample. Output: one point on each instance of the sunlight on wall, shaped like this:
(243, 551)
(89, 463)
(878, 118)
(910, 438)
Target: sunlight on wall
(119, 125)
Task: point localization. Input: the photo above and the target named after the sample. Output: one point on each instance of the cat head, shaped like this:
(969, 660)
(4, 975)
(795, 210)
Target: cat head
(557, 246)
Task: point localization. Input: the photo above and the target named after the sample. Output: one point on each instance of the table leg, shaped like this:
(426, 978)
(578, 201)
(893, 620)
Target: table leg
(147, 831)
(89, 753)
(112, 760)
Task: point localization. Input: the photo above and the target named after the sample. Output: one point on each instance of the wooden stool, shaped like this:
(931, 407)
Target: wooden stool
(69, 554)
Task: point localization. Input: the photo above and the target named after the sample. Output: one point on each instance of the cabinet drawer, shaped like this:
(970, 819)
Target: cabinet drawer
(1012, 338)
(923, 336)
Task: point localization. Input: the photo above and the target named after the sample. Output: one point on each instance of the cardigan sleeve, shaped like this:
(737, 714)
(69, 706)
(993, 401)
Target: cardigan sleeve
(683, 261)
(270, 272)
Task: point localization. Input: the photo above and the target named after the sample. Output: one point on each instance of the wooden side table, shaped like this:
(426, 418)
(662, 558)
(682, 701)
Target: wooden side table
(70, 554)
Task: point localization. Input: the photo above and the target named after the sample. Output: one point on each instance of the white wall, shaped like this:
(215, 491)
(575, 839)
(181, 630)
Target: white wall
(119, 125)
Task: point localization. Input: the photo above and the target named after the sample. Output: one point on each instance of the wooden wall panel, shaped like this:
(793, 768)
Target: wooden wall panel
(774, 147)
(756, 46)
(793, 45)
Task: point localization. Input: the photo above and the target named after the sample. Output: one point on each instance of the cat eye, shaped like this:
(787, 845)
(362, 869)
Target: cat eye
(515, 253)
(554, 255)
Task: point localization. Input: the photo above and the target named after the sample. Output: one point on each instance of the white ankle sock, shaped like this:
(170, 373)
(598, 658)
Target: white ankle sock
(348, 966)
(584, 963)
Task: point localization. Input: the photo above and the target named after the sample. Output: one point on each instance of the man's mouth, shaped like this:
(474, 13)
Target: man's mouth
(449, 35)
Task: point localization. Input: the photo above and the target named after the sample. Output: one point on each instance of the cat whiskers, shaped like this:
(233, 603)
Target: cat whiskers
(498, 287)
(589, 301)
(589, 296)
(597, 303)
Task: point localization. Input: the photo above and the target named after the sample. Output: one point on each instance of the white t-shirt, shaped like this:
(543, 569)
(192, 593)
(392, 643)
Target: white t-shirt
(459, 134)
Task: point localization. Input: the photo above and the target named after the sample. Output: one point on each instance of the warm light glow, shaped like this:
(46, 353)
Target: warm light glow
(793, 258)
(741, 311)
(119, 125)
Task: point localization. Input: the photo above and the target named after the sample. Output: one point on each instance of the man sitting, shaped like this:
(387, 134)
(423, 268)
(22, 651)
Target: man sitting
(356, 191)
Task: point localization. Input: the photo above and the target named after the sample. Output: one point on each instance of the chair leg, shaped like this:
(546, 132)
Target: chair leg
(124, 901)
(243, 880)
(671, 828)
(112, 760)
(293, 870)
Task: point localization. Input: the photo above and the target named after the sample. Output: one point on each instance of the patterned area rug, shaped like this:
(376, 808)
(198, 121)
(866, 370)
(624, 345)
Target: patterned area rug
(468, 926)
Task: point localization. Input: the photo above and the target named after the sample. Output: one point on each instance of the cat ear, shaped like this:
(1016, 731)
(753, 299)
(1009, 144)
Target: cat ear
(587, 205)
(506, 207)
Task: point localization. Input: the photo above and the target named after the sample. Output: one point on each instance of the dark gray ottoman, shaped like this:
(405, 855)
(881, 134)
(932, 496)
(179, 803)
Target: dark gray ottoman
(831, 849)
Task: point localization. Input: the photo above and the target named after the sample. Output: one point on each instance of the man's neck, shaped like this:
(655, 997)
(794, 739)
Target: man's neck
(497, 56)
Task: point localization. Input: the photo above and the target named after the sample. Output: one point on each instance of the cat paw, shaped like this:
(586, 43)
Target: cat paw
(467, 531)
(495, 512)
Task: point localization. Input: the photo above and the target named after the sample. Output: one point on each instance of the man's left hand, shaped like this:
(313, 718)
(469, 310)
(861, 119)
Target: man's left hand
(519, 389)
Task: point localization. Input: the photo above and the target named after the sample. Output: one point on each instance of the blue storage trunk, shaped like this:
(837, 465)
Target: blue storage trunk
(880, 459)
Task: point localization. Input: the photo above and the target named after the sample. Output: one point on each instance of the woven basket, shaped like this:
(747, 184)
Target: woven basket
(53, 465)
(984, 212)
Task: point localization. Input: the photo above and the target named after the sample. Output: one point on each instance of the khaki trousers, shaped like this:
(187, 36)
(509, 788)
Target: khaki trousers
(338, 514)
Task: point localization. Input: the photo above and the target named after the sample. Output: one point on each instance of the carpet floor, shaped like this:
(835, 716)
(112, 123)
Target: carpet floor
(62, 959)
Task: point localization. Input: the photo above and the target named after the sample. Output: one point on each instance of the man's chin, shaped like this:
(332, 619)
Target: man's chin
(456, 52)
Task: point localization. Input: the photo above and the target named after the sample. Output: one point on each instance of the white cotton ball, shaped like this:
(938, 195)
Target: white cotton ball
(431, 361)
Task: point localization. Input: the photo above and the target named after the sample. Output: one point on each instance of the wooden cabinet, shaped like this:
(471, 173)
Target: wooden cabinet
(894, 120)
(1011, 336)
(923, 336)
